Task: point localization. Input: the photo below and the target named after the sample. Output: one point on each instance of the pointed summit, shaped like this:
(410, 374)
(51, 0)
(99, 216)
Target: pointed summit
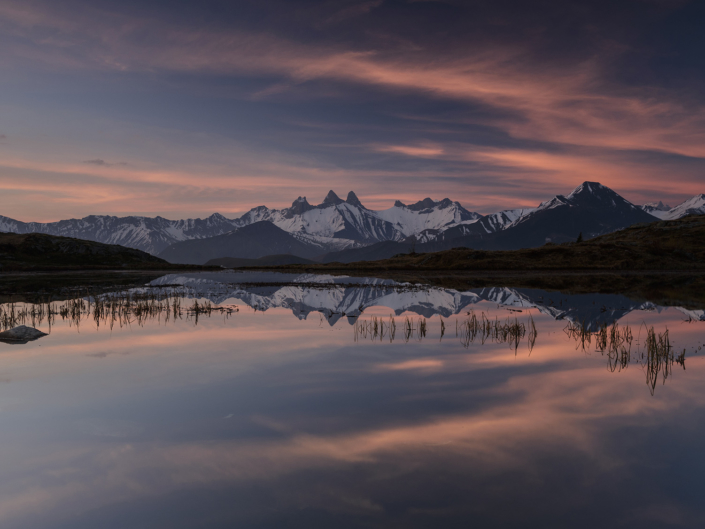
(331, 199)
(298, 206)
(593, 191)
(660, 206)
(353, 200)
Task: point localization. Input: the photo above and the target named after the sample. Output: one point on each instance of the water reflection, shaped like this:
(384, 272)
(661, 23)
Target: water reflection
(266, 420)
(337, 297)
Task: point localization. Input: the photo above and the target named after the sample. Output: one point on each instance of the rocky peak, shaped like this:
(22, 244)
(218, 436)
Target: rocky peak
(353, 200)
(298, 206)
(426, 203)
(331, 200)
(657, 206)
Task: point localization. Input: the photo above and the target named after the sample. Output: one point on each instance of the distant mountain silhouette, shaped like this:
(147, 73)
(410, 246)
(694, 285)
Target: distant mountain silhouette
(253, 241)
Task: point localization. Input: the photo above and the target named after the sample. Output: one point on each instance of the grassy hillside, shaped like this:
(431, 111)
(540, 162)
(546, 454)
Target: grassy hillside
(664, 245)
(38, 251)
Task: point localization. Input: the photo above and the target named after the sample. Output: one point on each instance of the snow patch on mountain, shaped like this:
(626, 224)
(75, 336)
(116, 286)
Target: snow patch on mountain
(148, 234)
(657, 209)
(426, 215)
(692, 206)
(503, 219)
(334, 218)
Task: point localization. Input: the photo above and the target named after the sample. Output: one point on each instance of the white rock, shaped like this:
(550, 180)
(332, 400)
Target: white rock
(21, 334)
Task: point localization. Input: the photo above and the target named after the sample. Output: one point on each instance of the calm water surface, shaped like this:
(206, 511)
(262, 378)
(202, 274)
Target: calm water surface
(291, 413)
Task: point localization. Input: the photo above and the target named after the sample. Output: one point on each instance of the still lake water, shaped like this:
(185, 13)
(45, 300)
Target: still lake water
(290, 412)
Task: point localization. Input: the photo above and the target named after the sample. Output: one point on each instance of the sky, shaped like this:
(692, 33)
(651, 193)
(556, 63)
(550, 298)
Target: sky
(183, 108)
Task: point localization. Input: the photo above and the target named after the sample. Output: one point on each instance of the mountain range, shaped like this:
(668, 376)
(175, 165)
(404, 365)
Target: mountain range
(346, 231)
(695, 205)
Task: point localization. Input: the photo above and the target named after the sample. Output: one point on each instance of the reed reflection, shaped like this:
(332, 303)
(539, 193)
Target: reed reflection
(120, 309)
(656, 355)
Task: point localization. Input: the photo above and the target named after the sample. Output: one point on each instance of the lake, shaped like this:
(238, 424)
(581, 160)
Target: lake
(282, 400)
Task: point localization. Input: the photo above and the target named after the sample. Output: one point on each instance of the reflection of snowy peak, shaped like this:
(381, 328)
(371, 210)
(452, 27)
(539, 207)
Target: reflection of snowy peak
(592, 310)
(333, 296)
(342, 296)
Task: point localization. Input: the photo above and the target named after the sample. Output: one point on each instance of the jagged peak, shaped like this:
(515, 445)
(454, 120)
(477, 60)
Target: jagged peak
(558, 200)
(426, 203)
(657, 206)
(353, 200)
(298, 206)
(300, 201)
(331, 199)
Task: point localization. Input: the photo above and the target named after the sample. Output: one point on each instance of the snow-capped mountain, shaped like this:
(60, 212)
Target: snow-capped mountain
(692, 206)
(503, 219)
(148, 234)
(591, 209)
(425, 215)
(344, 225)
(657, 209)
(484, 225)
(334, 218)
(335, 224)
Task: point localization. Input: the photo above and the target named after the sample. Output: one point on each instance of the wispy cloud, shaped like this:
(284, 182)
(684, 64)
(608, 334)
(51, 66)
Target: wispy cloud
(567, 104)
(101, 162)
(412, 150)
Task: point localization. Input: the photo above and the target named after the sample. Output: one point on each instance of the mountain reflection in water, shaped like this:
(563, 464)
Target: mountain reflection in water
(487, 408)
(337, 297)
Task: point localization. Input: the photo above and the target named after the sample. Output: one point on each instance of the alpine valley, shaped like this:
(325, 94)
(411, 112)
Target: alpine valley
(347, 231)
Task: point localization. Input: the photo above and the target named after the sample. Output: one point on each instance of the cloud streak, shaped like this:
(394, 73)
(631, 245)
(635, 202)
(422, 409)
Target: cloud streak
(103, 163)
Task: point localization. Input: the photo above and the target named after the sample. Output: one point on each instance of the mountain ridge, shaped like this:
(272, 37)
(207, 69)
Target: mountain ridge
(337, 225)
